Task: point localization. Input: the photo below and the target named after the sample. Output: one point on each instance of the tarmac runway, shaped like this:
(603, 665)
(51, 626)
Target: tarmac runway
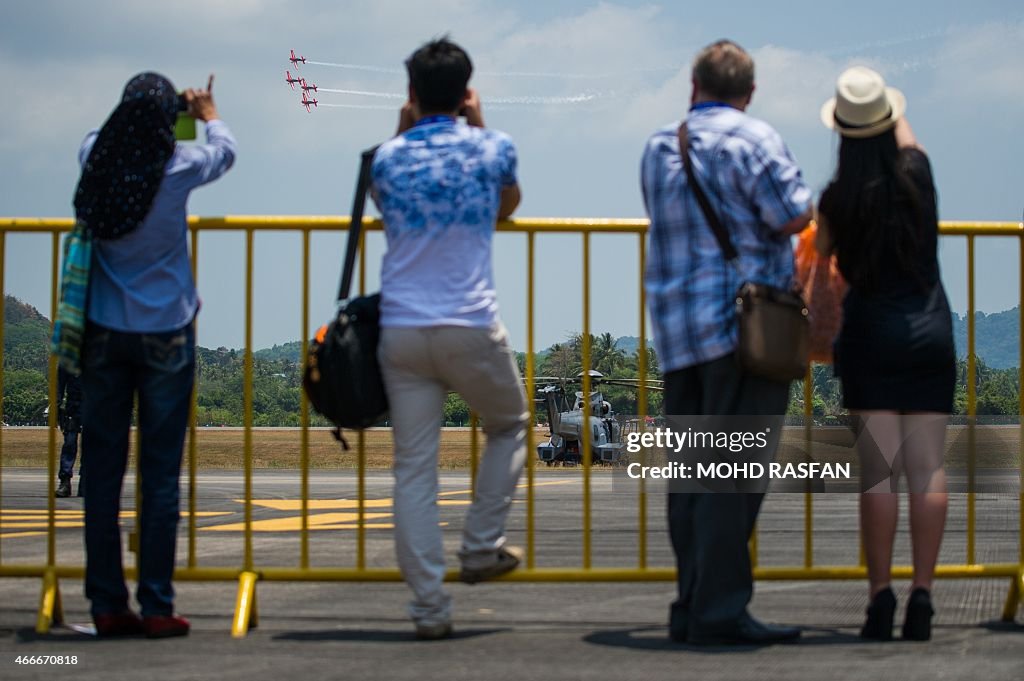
(505, 630)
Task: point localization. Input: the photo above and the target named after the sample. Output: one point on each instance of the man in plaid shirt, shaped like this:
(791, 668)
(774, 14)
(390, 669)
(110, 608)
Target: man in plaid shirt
(755, 186)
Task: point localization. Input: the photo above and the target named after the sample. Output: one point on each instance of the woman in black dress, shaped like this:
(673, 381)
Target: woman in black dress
(894, 353)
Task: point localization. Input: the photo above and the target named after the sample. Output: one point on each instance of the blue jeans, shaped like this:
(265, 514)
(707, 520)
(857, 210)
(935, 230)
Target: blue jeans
(68, 454)
(160, 368)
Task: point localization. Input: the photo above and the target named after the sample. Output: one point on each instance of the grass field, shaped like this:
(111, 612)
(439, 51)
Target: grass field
(271, 448)
(996, 447)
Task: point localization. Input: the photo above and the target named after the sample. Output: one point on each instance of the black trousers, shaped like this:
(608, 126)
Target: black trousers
(710, 531)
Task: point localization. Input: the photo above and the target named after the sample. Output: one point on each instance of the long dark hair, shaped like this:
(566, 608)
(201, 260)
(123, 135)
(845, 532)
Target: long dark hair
(876, 212)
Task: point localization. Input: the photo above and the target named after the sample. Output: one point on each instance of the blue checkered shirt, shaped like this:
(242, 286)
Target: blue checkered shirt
(754, 184)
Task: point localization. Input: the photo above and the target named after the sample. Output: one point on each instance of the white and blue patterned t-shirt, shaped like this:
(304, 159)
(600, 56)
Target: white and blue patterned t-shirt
(438, 186)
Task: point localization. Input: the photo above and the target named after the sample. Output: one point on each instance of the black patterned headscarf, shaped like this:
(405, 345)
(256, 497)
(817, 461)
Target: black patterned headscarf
(126, 164)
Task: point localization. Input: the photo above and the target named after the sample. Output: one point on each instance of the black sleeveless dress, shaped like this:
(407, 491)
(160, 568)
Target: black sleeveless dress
(895, 348)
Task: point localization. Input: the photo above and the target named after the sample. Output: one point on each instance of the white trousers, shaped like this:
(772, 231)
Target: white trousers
(420, 365)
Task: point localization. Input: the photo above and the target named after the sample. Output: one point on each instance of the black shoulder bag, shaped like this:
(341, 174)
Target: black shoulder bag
(774, 333)
(342, 377)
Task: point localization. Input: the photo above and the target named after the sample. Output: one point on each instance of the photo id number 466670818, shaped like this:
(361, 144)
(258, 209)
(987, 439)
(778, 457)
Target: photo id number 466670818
(46, 659)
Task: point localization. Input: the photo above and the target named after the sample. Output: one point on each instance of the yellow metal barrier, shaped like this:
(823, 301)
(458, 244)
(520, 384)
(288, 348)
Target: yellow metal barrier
(248, 573)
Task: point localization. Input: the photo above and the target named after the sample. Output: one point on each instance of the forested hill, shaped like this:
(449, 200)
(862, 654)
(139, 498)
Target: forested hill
(276, 381)
(26, 336)
(996, 336)
(290, 351)
(26, 350)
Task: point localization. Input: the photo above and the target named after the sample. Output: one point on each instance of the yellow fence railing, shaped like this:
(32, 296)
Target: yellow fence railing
(248, 573)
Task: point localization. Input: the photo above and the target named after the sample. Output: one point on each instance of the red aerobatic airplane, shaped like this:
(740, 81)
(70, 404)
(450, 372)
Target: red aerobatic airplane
(291, 81)
(295, 60)
(306, 101)
(306, 87)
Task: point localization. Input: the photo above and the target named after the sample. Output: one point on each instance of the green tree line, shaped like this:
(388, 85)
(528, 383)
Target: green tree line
(277, 387)
(997, 391)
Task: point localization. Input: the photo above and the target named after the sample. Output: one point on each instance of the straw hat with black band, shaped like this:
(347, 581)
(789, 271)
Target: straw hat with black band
(863, 105)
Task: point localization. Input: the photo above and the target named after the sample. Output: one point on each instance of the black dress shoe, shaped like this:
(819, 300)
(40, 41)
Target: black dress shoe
(678, 623)
(63, 489)
(878, 625)
(746, 630)
(918, 624)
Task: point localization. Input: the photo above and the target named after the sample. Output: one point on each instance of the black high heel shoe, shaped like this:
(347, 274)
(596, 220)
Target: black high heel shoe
(918, 624)
(878, 625)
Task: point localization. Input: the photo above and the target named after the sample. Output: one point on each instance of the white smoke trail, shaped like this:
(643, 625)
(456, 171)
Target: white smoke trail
(892, 42)
(504, 74)
(525, 99)
(377, 107)
(883, 44)
(581, 76)
(571, 99)
(357, 67)
(363, 93)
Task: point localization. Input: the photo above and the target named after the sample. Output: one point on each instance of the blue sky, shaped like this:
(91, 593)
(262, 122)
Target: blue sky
(64, 64)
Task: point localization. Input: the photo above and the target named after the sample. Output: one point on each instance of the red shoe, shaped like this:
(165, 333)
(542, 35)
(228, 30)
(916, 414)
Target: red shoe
(165, 626)
(125, 623)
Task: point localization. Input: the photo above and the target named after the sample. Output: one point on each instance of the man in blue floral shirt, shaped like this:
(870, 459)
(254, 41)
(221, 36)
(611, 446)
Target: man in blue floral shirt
(441, 186)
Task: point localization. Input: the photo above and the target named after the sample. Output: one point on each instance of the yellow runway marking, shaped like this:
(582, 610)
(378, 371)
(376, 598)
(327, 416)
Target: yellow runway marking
(317, 504)
(38, 512)
(125, 513)
(34, 519)
(547, 484)
(355, 526)
(319, 521)
(35, 524)
(347, 519)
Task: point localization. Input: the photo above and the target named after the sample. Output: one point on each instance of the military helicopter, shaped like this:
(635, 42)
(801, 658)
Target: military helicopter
(592, 415)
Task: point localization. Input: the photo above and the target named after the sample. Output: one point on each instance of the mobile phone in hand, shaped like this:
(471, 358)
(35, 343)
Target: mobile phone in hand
(185, 126)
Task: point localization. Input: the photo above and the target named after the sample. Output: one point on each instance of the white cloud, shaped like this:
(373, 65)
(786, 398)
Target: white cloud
(65, 63)
(981, 67)
(792, 85)
(48, 105)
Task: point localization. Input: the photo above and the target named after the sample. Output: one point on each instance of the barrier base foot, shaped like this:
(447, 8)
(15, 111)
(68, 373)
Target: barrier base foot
(51, 608)
(1014, 598)
(246, 612)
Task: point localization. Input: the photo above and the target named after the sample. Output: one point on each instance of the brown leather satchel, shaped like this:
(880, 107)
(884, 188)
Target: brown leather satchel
(774, 333)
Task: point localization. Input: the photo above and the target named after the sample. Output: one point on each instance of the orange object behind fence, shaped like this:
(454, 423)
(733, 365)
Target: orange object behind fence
(823, 290)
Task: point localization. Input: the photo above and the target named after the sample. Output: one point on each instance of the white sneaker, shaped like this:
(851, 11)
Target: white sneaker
(433, 632)
(506, 560)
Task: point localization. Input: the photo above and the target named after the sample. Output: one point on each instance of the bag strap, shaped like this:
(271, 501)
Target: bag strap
(356, 227)
(721, 233)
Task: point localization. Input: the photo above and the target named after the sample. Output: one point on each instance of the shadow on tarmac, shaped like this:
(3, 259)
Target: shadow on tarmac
(376, 635)
(1003, 627)
(656, 638)
(59, 634)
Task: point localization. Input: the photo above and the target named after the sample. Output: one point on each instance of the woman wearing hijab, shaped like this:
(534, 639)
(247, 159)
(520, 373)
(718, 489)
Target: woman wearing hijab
(140, 339)
(894, 353)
